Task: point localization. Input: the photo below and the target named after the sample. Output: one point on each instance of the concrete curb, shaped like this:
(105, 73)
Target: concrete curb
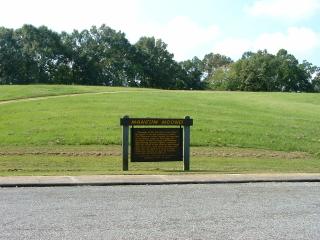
(125, 180)
(144, 183)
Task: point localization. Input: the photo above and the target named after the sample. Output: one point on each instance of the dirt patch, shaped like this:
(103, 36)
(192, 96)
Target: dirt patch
(246, 153)
(107, 151)
(66, 154)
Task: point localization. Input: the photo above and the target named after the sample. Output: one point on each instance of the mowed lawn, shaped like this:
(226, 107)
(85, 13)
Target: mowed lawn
(11, 92)
(287, 122)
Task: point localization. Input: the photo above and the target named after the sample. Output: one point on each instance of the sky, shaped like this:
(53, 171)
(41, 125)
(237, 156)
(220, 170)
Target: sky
(190, 28)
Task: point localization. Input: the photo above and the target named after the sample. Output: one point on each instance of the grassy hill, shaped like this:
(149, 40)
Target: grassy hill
(287, 122)
(9, 92)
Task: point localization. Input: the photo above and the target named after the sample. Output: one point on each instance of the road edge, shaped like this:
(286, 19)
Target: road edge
(127, 180)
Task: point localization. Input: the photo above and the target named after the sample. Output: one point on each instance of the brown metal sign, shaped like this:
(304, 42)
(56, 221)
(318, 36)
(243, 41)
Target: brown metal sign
(156, 144)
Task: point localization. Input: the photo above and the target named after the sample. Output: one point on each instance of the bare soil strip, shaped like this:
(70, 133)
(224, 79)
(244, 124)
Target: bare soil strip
(195, 151)
(249, 153)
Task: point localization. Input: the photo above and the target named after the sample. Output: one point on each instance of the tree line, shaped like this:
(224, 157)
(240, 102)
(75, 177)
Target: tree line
(104, 56)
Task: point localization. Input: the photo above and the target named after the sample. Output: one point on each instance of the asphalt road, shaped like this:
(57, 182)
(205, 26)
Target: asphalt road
(214, 211)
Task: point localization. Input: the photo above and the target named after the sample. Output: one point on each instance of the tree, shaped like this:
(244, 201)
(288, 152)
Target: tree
(253, 72)
(192, 74)
(30, 55)
(316, 80)
(160, 70)
(219, 80)
(42, 52)
(100, 56)
(211, 62)
(10, 57)
(103, 56)
(262, 71)
(291, 75)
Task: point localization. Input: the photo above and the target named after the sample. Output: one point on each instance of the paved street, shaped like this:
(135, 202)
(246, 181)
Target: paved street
(212, 211)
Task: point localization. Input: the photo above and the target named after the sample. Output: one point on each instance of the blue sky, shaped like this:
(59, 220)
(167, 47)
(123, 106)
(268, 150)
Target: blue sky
(189, 27)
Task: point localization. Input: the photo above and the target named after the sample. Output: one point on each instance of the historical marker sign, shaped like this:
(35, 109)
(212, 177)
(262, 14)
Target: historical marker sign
(156, 144)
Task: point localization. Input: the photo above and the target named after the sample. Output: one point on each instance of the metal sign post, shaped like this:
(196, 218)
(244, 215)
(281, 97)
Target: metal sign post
(186, 146)
(125, 144)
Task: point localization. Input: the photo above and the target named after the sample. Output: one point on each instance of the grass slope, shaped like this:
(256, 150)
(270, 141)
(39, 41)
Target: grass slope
(274, 121)
(11, 92)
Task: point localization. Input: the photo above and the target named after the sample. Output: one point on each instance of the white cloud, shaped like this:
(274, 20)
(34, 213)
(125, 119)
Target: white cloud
(68, 15)
(184, 37)
(233, 47)
(301, 42)
(284, 9)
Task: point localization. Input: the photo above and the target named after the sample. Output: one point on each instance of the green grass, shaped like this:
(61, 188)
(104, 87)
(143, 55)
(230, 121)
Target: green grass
(83, 160)
(12, 92)
(85, 165)
(276, 121)
(286, 122)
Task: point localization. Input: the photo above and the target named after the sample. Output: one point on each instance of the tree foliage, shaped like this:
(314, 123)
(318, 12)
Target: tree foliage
(193, 73)
(212, 62)
(104, 56)
(263, 71)
(159, 69)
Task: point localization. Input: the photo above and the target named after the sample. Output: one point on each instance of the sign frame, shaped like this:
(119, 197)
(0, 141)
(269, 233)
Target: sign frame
(126, 122)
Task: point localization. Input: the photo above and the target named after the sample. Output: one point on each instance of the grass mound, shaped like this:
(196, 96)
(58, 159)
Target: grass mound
(285, 122)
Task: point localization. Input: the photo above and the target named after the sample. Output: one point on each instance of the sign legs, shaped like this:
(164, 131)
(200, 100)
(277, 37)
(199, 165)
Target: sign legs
(186, 147)
(125, 147)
